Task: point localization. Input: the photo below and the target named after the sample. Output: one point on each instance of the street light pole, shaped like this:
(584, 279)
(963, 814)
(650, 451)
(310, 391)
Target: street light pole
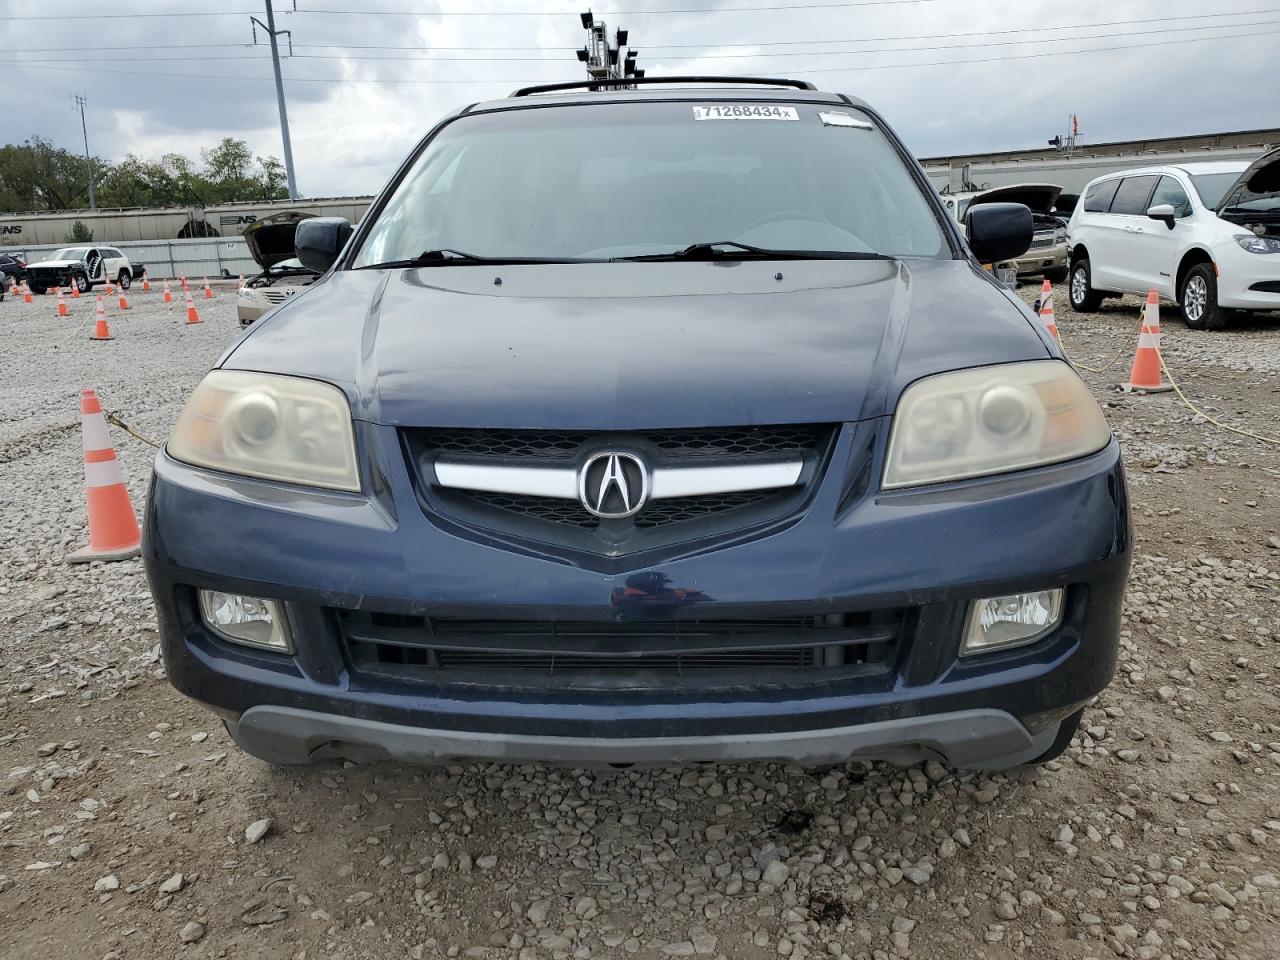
(80, 102)
(272, 34)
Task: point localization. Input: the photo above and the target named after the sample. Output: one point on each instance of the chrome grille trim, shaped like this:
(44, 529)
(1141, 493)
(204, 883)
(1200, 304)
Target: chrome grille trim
(666, 483)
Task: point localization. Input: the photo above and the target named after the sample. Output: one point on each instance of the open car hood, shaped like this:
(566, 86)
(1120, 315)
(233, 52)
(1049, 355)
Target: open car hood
(270, 239)
(1039, 197)
(1261, 176)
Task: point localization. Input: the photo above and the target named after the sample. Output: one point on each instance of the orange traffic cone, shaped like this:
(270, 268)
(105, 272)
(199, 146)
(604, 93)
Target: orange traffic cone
(124, 301)
(192, 315)
(62, 304)
(168, 295)
(1046, 310)
(111, 288)
(185, 288)
(113, 526)
(208, 292)
(75, 290)
(26, 293)
(100, 329)
(240, 282)
(146, 283)
(1144, 377)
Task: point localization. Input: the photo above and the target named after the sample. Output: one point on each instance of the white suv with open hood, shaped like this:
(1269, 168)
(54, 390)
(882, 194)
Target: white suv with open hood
(1047, 255)
(270, 242)
(1206, 235)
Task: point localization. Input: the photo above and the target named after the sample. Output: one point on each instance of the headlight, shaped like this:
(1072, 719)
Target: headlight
(1060, 235)
(1254, 244)
(971, 423)
(269, 426)
(247, 293)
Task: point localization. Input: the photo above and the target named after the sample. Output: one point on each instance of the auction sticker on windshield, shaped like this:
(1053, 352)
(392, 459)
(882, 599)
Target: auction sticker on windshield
(744, 111)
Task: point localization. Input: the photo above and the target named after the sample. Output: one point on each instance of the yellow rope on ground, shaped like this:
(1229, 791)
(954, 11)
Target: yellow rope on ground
(1196, 410)
(116, 421)
(1173, 383)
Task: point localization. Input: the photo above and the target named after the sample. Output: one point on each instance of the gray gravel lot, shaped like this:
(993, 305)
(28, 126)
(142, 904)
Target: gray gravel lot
(130, 826)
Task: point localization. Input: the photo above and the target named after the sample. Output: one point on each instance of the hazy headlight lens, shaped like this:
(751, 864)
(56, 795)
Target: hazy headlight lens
(250, 621)
(269, 426)
(971, 423)
(247, 293)
(1012, 620)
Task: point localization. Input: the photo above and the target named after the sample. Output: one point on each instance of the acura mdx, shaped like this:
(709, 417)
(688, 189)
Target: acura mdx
(646, 426)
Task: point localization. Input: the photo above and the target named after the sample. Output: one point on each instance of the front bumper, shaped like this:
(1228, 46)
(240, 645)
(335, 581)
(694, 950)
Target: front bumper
(1039, 260)
(1247, 281)
(929, 553)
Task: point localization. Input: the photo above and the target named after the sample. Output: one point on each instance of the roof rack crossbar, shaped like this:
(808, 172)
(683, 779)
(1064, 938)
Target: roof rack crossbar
(629, 81)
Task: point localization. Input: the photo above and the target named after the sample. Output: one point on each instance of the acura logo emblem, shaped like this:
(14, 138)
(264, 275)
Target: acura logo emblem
(613, 485)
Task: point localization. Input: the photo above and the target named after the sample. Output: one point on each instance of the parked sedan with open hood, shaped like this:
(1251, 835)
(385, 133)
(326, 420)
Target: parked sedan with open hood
(270, 242)
(649, 425)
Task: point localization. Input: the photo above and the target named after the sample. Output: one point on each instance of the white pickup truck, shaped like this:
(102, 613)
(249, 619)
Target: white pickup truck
(82, 266)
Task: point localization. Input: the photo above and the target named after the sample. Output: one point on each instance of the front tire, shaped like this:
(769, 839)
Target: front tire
(81, 281)
(1084, 299)
(124, 279)
(1057, 275)
(1199, 299)
(37, 288)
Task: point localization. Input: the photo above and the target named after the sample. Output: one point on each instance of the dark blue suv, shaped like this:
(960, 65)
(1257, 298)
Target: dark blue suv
(652, 425)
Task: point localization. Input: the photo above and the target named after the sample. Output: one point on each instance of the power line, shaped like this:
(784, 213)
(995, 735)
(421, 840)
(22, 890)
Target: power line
(804, 5)
(703, 56)
(690, 46)
(846, 69)
(129, 16)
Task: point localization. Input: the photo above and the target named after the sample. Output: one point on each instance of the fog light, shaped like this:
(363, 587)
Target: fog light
(1011, 621)
(250, 621)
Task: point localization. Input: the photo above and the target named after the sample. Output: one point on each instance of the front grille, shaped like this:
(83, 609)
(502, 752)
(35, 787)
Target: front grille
(276, 296)
(622, 653)
(674, 444)
(552, 519)
(1042, 240)
(548, 509)
(1267, 286)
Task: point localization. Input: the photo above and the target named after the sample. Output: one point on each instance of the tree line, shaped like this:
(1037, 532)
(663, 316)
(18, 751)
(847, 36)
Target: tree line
(36, 175)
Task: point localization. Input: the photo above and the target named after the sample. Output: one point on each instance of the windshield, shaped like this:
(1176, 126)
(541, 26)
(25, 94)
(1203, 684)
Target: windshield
(1211, 186)
(601, 181)
(70, 253)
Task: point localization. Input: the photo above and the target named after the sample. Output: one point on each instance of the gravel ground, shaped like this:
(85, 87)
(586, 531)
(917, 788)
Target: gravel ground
(130, 826)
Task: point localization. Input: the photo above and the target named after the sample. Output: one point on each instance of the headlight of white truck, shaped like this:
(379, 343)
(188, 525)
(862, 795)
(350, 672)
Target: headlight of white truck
(970, 423)
(269, 426)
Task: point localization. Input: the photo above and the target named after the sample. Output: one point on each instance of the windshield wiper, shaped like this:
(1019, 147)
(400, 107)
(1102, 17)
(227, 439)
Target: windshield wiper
(448, 257)
(733, 250)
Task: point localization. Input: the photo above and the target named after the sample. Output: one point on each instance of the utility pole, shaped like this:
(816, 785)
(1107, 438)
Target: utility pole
(272, 34)
(80, 102)
(605, 62)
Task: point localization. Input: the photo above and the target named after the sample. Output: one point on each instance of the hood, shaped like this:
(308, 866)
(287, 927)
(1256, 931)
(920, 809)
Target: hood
(1261, 176)
(54, 263)
(270, 239)
(591, 347)
(1039, 197)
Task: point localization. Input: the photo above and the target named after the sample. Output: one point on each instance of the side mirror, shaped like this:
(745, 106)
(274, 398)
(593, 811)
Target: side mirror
(318, 241)
(1164, 212)
(998, 231)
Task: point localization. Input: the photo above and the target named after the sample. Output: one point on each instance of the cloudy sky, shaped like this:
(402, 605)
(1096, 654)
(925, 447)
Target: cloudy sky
(368, 77)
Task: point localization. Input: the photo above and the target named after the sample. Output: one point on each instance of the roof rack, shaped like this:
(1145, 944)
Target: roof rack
(629, 81)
